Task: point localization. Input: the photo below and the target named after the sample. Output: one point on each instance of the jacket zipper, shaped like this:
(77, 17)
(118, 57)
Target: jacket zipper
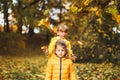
(60, 78)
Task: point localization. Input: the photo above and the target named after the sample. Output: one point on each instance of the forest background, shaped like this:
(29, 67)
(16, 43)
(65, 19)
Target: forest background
(28, 25)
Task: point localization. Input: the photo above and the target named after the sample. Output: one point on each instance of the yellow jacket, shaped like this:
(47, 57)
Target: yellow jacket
(51, 46)
(60, 69)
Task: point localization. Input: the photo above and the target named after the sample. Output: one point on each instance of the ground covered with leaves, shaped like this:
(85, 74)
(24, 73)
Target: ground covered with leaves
(26, 61)
(22, 68)
(32, 68)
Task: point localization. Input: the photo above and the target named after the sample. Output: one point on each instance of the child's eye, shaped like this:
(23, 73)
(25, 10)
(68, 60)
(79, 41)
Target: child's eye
(62, 50)
(65, 31)
(58, 50)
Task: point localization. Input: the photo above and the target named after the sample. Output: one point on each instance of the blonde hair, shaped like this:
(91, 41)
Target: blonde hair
(62, 26)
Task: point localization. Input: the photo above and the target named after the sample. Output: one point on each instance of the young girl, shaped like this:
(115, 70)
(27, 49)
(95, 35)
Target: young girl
(60, 67)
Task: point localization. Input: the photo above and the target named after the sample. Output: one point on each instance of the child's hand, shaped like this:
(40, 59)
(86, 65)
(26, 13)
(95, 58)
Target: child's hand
(73, 57)
(45, 49)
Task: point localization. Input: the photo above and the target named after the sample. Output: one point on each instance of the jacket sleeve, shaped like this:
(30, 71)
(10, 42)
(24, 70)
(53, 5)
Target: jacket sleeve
(69, 47)
(51, 46)
(73, 75)
(49, 70)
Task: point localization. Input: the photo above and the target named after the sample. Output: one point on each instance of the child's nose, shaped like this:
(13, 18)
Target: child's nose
(63, 33)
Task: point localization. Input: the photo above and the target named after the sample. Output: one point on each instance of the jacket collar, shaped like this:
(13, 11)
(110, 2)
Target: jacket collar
(57, 58)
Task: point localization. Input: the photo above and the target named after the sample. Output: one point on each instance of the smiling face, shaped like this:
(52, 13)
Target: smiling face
(62, 33)
(62, 30)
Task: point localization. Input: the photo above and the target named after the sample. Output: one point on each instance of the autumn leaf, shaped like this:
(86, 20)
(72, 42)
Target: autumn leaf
(74, 9)
(32, 68)
(86, 2)
(46, 12)
(55, 29)
(116, 17)
(99, 20)
(93, 9)
(47, 23)
(80, 43)
(41, 22)
(98, 12)
(112, 10)
(99, 30)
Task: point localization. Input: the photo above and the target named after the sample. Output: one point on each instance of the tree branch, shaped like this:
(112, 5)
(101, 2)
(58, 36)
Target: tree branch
(34, 2)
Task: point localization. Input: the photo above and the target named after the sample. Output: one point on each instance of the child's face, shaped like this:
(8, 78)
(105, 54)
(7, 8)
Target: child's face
(62, 33)
(60, 51)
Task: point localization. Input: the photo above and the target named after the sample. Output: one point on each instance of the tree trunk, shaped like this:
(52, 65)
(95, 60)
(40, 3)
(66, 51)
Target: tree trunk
(6, 21)
(60, 11)
(20, 23)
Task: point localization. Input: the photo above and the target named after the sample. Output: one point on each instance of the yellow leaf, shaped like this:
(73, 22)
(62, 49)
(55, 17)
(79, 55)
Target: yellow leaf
(93, 9)
(98, 12)
(99, 20)
(55, 29)
(110, 49)
(106, 35)
(116, 17)
(80, 9)
(74, 8)
(93, 55)
(99, 30)
(47, 23)
(86, 2)
(41, 22)
(79, 42)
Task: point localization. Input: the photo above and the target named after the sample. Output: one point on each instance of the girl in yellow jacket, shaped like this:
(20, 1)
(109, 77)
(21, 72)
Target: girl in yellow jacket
(60, 67)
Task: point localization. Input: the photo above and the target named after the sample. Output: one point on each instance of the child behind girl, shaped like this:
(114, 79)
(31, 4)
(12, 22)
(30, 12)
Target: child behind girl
(60, 66)
(61, 34)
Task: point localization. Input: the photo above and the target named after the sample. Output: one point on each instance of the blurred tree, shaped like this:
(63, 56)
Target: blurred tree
(90, 22)
(5, 6)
